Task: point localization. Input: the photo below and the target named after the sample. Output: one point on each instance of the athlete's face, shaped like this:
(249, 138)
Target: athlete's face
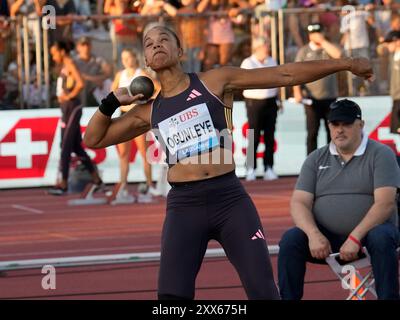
(346, 136)
(160, 49)
(84, 49)
(128, 60)
(56, 54)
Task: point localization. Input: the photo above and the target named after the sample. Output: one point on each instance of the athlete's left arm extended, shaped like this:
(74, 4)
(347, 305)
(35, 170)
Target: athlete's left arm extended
(289, 74)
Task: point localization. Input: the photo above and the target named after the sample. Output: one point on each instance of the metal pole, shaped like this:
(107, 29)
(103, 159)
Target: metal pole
(19, 63)
(46, 62)
(38, 55)
(281, 31)
(273, 36)
(26, 51)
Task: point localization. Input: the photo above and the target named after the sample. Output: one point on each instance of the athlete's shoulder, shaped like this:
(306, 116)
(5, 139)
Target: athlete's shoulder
(218, 78)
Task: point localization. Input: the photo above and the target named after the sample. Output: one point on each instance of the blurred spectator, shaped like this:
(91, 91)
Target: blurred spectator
(393, 41)
(82, 8)
(152, 7)
(355, 33)
(321, 92)
(34, 96)
(4, 34)
(262, 110)
(261, 21)
(330, 21)
(11, 86)
(242, 51)
(64, 10)
(176, 3)
(395, 22)
(191, 31)
(356, 41)
(296, 34)
(221, 37)
(5, 8)
(69, 85)
(29, 8)
(383, 54)
(95, 71)
(122, 79)
(383, 18)
(124, 32)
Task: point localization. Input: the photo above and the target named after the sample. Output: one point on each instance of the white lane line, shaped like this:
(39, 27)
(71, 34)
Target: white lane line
(17, 206)
(81, 251)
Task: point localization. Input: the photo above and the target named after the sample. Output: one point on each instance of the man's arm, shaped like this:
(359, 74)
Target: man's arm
(38, 6)
(202, 6)
(14, 8)
(384, 204)
(170, 9)
(381, 210)
(386, 179)
(300, 209)
(291, 74)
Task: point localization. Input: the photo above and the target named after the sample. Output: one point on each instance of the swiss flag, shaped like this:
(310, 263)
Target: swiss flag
(25, 149)
(382, 134)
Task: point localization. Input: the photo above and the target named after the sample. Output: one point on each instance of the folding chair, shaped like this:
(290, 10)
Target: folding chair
(362, 284)
(359, 285)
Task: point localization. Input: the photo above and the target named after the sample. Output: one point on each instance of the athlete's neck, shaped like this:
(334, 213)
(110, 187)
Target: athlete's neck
(173, 83)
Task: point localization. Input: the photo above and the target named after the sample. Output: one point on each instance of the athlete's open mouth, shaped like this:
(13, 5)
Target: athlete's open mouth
(158, 53)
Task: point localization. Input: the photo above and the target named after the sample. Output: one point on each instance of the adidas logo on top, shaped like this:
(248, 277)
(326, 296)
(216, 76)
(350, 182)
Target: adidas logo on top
(194, 94)
(258, 235)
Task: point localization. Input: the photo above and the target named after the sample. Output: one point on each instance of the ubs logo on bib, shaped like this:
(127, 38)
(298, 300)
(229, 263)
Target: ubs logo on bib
(189, 115)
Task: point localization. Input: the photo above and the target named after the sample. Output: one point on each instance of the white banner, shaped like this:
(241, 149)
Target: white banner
(30, 143)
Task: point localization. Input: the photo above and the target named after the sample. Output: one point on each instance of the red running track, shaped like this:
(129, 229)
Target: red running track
(34, 225)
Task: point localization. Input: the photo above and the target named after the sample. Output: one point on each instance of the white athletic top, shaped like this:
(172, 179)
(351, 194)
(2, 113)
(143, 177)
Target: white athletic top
(252, 63)
(124, 81)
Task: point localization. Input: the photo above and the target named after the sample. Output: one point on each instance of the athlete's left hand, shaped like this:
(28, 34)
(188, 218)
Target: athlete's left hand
(362, 67)
(124, 98)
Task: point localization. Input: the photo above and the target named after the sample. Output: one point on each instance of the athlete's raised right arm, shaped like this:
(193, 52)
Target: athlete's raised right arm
(102, 131)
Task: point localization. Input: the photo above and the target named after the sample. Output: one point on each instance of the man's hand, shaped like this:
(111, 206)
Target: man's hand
(361, 67)
(124, 98)
(349, 250)
(319, 245)
(317, 38)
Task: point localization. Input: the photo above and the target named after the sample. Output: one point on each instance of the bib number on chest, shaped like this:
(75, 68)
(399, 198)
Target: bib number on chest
(189, 132)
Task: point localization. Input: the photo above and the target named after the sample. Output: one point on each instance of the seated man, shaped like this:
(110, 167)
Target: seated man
(345, 198)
